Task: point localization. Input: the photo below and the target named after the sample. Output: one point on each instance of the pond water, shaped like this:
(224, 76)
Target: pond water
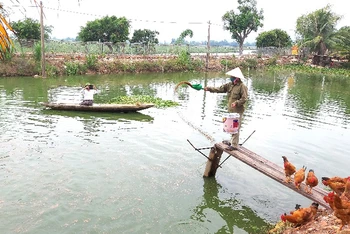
(79, 172)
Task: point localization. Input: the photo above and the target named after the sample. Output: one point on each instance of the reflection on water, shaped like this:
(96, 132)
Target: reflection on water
(231, 211)
(76, 172)
(123, 117)
(65, 94)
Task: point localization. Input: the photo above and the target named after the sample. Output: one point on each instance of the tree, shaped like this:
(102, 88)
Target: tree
(107, 29)
(342, 39)
(243, 23)
(145, 37)
(183, 35)
(317, 30)
(275, 38)
(5, 41)
(30, 29)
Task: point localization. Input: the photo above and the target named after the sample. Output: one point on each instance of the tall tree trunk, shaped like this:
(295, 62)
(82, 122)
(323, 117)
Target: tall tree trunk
(323, 48)
(240, 48)
(240, 41)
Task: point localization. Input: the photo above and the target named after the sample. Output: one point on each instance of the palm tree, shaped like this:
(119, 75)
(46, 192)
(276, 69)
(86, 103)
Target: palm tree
(342, 39)
(317, 30)
(5, 40)
(6, 44)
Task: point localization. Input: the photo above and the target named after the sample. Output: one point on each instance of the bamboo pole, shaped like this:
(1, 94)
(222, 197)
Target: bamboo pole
(208, 48)
(43, 65)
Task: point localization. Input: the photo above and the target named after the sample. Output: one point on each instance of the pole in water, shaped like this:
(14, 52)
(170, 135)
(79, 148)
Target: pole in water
(224, 161)
(198, 150)
(247, 138)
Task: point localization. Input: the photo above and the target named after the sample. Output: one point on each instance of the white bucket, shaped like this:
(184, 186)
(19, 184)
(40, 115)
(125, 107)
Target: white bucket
(231, 123)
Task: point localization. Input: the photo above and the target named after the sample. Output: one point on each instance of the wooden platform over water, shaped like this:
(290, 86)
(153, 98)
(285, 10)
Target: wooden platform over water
(266, 167)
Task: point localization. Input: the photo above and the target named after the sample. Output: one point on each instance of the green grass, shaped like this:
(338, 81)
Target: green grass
(310, 70)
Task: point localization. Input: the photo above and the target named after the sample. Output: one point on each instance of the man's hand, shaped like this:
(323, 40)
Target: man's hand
(205, 88)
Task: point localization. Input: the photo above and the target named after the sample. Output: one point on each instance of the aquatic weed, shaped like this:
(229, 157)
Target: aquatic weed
(139, 99)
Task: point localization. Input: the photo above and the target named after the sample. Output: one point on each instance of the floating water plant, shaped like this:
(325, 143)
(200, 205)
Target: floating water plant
(138, 99)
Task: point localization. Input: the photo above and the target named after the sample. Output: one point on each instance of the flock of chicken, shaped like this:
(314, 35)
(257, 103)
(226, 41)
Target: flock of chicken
(338, 199)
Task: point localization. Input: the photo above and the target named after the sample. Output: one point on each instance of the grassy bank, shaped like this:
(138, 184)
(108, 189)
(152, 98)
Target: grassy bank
(80, 64)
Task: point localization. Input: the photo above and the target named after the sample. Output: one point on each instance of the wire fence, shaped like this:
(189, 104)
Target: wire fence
(124, 48)
(282, 51)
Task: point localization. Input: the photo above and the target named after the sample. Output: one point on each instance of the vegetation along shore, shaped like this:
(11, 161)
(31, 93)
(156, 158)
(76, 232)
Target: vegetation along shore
(80, 64)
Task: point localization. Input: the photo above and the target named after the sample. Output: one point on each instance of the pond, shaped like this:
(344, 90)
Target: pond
(81, 172)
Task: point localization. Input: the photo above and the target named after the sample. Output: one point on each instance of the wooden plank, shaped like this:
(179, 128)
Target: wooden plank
(274, 171)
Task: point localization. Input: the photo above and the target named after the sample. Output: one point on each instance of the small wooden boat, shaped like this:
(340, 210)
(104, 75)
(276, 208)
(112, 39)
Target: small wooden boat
(98, 107)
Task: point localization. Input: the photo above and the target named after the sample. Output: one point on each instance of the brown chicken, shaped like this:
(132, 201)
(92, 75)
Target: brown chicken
(289, 169)
(341, 207)
(301, 215)
(299, 177)
(336, 183)
(311, 181)
(346, 192)
(330, 200)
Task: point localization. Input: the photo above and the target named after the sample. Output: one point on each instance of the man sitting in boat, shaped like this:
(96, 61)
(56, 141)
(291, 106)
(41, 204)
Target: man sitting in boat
(88, 94)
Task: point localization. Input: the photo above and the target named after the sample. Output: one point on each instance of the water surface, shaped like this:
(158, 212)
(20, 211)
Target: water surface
(79, 172)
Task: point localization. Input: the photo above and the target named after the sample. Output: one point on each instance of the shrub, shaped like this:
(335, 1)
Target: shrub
(18, 66)
(226, 63)
(51, 70)
(184, 58)
(271, 61)
(250, 63)
(72, 68)
(37, 52)
(91, 61)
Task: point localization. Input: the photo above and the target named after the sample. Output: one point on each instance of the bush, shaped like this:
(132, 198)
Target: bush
(226, 63)
(91, 61)
(184, 58)
(345, 65)
(51, 70)
(250, 63)
(18, 66)
(73, 69)
(37, 52)
(271, 61)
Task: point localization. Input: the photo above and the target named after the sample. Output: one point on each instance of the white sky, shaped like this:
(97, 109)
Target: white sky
(149, 14)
